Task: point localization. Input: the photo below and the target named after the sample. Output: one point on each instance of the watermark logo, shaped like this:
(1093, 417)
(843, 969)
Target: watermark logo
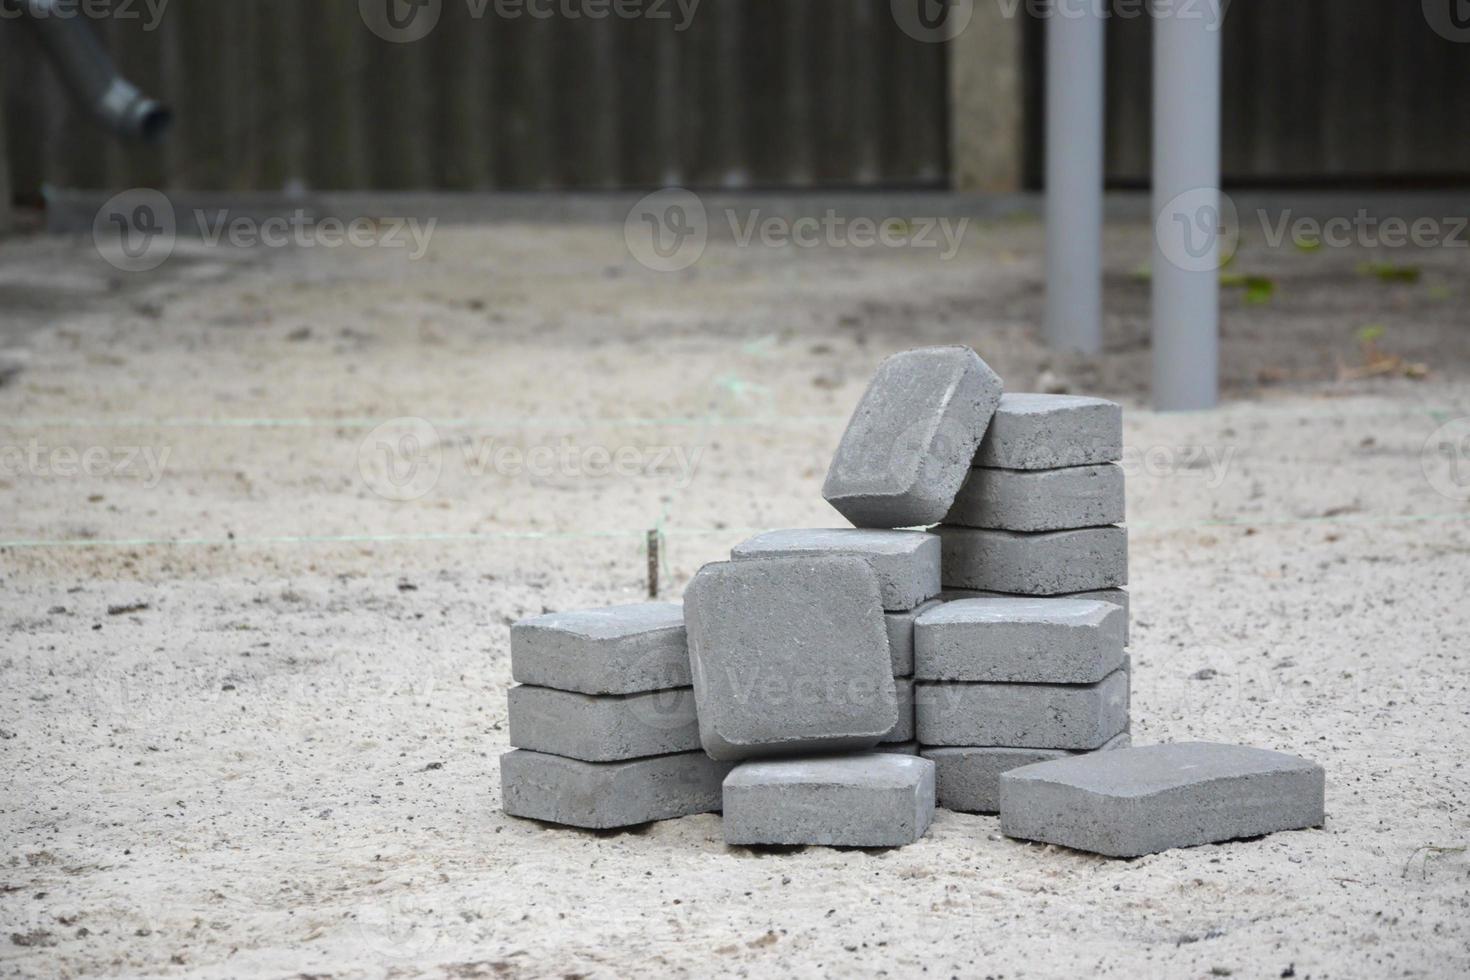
(667, 230)
(1450, 19)
(932, 21)
(1212, 12)
(401, 21)
(406, 21)
(1199, 230)
(138, 229)
(669, 704)
(399, 926)
(135, 230)
(401, 459)
(1445, 459)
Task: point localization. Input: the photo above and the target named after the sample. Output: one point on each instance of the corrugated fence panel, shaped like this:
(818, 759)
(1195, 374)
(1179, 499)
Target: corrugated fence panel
(1315, 91)
(275, 93)
(760, 93)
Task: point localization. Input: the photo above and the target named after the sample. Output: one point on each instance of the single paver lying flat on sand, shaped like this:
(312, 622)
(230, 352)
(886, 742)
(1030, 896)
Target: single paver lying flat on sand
(613, 650)
(603, 728)
(1019, 640)
(901, 636)
(1040, 500)
(906, 562)
(874, 799)
(912, 438)
(789, 655)
(1030, 716)
(600, 795)
(1043, 432)
(967, 777)
(1040, 563)
(1147, 799)
(1118, 597)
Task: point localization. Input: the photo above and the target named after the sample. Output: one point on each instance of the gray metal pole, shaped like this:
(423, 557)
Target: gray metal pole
(1074, 176)
(1188, 208)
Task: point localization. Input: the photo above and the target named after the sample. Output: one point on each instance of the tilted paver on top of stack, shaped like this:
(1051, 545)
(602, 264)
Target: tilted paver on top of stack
(912, 438)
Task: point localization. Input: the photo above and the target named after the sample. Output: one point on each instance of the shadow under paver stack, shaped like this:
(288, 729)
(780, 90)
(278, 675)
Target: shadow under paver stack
(829, 686)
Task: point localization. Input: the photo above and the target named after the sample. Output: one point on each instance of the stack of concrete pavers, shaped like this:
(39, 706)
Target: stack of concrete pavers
(802, 602)
(791, 688)
(603, 720)
(1008, 681)
(1024, 661)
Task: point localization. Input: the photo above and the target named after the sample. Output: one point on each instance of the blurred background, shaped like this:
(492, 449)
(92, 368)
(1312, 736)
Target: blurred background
(772, 94)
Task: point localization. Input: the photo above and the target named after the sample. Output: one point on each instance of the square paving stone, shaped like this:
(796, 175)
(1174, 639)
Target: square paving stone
(789, 656)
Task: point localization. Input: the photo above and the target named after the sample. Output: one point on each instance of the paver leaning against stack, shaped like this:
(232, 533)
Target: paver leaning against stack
(603, 722)
(791, 687)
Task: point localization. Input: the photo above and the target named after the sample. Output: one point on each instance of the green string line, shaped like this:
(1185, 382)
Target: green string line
(665, 531)
(1439, 414)
(449, 423)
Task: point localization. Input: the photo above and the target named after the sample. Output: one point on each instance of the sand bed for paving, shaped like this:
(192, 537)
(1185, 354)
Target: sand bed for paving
(251, 704)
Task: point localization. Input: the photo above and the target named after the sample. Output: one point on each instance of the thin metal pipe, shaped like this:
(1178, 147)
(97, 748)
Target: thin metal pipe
(1189, 214)
(1074, 177)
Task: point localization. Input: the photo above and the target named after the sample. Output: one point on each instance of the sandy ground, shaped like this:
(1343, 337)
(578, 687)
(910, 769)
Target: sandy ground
(255, 648)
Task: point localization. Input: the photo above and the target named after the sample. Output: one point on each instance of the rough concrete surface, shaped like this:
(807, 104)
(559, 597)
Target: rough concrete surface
(1040, 500)
(1030, 716)
(790, 656)
(1118, 597)
(1150, 798)
(906, 562)
(1017, 639)
(1044, 431)
(967, 777)
(901, 636)
(607, 795)
(1040, 563)
(912, 438)
(602, 728)
(615, 650)
(903, 731)
(278, 753)
(873, 799)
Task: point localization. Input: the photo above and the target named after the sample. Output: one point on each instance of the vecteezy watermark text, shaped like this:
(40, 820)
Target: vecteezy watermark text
(406, 21)
(404, 458)
(150, 12)
(1201, 229)
(34, 458)
(138, 229)
(669, 230)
